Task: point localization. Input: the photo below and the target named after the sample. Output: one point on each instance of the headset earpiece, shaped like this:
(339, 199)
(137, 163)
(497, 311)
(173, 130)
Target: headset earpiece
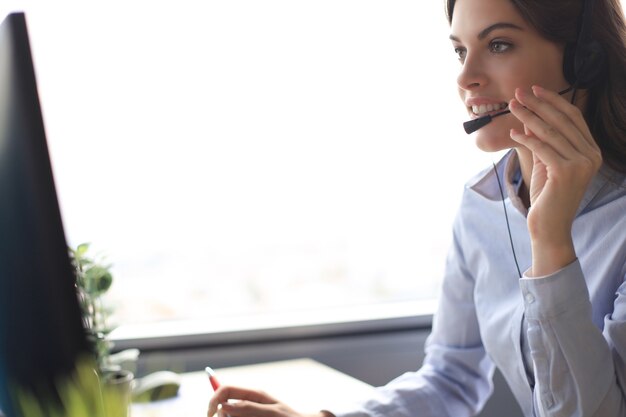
(584, 62)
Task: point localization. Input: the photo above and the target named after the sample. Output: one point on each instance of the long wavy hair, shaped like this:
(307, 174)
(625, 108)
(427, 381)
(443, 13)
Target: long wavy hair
(605, 112)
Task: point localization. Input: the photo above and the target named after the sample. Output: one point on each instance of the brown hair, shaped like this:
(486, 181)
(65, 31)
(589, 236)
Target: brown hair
(605, 112)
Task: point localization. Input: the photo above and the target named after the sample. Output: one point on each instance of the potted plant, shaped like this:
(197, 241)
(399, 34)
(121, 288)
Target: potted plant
(93, 280)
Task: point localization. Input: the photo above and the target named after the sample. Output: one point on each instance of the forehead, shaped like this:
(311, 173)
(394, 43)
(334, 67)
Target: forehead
(471, 16)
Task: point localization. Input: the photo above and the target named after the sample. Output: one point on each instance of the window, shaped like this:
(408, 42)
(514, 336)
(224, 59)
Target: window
(246, 157)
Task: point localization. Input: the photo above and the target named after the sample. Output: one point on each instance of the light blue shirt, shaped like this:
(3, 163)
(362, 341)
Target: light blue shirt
(559, 340)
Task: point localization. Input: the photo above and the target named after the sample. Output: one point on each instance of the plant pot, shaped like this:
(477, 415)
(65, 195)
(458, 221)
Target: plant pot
(118, 390)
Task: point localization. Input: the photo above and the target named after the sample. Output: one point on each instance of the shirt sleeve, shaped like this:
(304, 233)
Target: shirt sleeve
(579, 369)
(456, 377)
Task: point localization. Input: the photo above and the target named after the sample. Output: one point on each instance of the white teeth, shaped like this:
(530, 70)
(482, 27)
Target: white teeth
(486, 108)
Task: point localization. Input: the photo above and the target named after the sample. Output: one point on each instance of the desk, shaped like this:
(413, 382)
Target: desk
(304, 384)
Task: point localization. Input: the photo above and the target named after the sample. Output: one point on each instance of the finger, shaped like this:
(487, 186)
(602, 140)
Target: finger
(212, 410)
(552, 123)
(539, 148)
(225, 392)
(587, 150)
(593, 152)
(572, 111)
(563, 118)
(542, 131)
(247, 408)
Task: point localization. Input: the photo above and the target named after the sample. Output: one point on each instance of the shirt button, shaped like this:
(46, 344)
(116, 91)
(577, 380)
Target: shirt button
(548, 402)
(529, 298)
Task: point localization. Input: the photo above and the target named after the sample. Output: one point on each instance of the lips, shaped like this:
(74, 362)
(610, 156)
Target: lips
(479, 106)
(484, 109)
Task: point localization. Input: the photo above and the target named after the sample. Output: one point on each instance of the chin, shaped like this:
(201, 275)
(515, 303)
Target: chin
(495, 137)
(493, 142)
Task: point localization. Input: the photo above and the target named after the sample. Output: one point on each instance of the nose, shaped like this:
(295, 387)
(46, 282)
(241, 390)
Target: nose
(472, 75)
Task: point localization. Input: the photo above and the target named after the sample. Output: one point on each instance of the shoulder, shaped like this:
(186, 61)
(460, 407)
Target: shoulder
(608, 188)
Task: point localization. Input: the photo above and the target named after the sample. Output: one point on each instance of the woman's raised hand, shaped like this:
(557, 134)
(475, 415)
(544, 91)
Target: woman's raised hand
(565, 158)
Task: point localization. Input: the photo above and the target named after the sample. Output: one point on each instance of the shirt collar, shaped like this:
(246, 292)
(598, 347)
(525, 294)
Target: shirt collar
(486, 182)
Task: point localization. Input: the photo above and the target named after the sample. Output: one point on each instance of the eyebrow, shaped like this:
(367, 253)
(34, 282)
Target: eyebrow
(485, 32)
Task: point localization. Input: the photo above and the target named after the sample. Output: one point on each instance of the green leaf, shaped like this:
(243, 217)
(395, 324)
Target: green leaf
(98, 279)
(82, 249)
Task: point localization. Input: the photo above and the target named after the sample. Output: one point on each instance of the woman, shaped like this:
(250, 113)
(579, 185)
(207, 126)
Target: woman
(556, 329)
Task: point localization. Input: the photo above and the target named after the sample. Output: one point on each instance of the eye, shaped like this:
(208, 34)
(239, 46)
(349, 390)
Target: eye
(499, 47)
(460, 53)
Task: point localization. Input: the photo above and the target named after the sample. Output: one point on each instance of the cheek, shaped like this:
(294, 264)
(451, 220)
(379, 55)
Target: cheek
(519, 69)
(523, 73)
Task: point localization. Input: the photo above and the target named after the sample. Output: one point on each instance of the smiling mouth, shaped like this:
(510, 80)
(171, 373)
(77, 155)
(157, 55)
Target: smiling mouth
(485, 109)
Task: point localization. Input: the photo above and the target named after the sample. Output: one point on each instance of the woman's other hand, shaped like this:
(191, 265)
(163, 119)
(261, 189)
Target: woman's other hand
(251, 403)
(565, 159)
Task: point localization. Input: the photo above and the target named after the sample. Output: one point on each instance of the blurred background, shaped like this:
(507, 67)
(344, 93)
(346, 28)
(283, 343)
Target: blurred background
(243, 160)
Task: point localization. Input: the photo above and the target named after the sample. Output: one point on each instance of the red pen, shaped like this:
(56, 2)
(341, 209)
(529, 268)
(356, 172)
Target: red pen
(212, 378)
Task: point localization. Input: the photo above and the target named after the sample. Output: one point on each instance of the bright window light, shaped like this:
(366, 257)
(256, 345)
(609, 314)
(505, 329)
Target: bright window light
(243, 157)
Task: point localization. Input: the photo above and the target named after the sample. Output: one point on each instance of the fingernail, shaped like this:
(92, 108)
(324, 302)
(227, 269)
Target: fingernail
(514, 134)
(537, 89)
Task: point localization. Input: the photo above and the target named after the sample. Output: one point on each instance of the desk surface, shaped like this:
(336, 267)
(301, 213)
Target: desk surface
(304, 384)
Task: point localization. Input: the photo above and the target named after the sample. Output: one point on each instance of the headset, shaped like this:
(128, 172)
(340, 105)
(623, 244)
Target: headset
(584, 64)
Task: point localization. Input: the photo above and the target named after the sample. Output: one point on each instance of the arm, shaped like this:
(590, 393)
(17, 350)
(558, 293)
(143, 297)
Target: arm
(456, 377)
(579, 370)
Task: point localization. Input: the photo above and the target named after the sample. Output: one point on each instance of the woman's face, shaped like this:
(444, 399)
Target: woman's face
(499, 52)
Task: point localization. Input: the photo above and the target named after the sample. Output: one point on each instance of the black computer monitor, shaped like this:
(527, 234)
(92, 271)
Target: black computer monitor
(41, 330)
